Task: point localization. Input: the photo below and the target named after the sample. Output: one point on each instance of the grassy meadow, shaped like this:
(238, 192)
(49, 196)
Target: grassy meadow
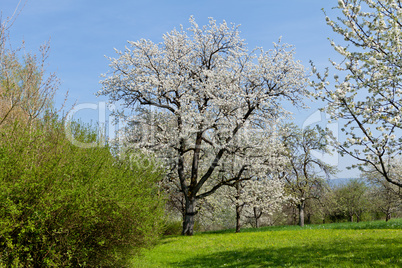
(365, 244)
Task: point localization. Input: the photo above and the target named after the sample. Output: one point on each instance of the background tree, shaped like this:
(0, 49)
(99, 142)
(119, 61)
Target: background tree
(368, 96)
(243, 203)
(328, 205)
(26, 90)
(305, 174)
(386, 196)
(194, 96)
(352, 199)
(267, 159)
(261, 197)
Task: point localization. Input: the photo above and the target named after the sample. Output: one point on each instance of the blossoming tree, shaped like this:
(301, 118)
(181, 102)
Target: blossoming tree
(368, 95)
(258, 190)
(194, 94)
(305, 174)
(386, 196)
(257, 197)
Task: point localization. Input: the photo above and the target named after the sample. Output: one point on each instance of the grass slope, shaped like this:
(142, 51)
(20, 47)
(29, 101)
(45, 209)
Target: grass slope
(366, 244)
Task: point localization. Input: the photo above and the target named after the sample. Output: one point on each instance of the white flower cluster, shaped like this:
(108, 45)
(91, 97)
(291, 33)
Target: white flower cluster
(206, 105)
(370, 93)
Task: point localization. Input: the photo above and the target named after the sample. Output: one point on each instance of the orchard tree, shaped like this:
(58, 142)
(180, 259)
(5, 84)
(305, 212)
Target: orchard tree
(254, 198)
(368, 94)
(194, 94)
(216, 212)
(352, 199)
(251, 199)
(305, 175)
(261, 196)
(386, 196)
(326, 205)
(266, 159)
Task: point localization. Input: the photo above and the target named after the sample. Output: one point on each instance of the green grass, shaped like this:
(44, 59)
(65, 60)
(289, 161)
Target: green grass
(366, 244)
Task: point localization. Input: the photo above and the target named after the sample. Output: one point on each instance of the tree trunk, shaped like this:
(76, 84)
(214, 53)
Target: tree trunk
(238, 207)
(256, 217)
(238, 210)
(188, 221)
(350, 217)
(388, 216)
(301, 212)
(294, 218)
(309, 218)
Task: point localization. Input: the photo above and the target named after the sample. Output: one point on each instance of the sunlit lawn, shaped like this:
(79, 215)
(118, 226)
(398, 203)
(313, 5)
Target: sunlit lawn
(372, 244)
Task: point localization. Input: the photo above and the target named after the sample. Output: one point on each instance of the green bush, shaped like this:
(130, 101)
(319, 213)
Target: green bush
(65, 206)
(173, 228)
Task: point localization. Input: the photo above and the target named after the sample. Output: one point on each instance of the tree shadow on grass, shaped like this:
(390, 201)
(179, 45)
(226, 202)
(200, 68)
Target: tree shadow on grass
(342, 253)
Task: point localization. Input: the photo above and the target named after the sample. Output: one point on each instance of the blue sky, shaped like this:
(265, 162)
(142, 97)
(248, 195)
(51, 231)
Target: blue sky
(83, 32)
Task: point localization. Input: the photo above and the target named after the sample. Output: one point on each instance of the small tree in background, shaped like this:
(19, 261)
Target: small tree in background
(260, 197)
(302, 176)
(243, 203)
(26, 92)
(386, 196)
(352, 199)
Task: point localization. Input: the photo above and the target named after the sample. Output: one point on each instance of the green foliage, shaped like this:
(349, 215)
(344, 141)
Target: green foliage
(352, 199)
(365, 244)
(65, 206)
(173, 228)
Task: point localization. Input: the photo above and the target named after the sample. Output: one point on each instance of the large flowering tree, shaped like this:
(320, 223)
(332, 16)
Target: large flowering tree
(195, 95)
(368, 95)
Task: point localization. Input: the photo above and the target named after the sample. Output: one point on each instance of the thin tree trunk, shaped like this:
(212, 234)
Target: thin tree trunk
(388, 216)
(238, 207)
(188, 221)
(301, 213)
(350, 217)
(357, 217)
(238, 210)
(256, 217)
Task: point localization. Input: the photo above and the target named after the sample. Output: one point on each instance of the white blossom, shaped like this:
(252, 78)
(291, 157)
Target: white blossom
(370, 94)
(206, 105)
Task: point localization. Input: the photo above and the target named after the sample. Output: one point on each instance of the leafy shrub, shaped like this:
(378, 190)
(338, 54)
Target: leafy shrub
(173, 228)
(65, 206)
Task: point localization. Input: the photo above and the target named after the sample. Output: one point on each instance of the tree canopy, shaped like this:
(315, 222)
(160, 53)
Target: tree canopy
(200, 96)
(367, 92)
